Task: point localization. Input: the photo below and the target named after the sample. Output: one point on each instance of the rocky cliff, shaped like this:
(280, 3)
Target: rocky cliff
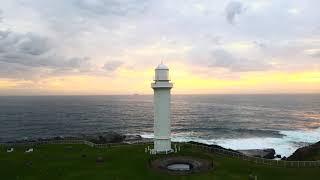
(307, 153)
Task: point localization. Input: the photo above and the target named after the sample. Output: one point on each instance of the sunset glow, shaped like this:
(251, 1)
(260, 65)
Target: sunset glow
(211, 47)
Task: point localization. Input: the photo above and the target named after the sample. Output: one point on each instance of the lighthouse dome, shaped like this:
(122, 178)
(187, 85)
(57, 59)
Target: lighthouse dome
(162, 66)
(162, 73)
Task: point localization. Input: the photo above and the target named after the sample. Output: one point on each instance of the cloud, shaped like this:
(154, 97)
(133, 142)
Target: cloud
(112, 7)
(17, 71)
(1, 18)
(76, 36)
(112, 65)
(32, 44)
(24, 52)
(233, 9)
(224, 59)
(260, 44)
(313, 52)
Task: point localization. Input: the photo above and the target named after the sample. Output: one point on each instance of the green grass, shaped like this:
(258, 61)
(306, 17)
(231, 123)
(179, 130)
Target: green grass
(126, 162)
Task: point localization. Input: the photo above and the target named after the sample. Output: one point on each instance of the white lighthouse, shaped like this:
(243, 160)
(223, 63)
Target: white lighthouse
(162, 97)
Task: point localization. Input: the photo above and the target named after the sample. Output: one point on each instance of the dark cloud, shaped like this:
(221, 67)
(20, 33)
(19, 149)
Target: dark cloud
(224, 59)
(12, 45)
(112, 65)
(33, 45)
(233, 9)
(21, 53)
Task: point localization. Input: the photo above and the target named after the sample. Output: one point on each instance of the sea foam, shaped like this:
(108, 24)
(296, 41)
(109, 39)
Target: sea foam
(285, 146)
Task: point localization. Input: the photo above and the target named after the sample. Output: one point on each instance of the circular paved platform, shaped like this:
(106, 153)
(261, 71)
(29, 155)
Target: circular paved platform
(196, 164)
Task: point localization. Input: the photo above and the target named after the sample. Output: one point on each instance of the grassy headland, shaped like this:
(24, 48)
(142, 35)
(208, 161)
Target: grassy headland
(53, 162)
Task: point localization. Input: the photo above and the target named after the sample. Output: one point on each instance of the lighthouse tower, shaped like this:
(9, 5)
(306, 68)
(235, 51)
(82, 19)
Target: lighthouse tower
(162, 96)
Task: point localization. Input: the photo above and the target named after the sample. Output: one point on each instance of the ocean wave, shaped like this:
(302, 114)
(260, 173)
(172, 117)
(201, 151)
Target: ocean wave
(222, 132)
(285, 145)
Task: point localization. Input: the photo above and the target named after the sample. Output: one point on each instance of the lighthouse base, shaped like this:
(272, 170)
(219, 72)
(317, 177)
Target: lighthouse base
(162, 145)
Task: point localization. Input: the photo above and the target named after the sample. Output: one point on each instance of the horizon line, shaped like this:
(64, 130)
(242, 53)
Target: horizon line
(142, 94)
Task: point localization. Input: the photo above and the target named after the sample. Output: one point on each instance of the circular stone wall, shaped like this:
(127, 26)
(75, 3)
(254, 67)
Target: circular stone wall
(181, 164)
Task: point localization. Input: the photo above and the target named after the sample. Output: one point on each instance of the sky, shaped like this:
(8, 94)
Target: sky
(92, 47)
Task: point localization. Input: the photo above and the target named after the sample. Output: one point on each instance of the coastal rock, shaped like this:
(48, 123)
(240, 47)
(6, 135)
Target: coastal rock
(278, 156)
(58, 138)
(98, 138)
(106, 137)
(270, 153)
(262, 153)
(307, 153)
(213, 146)
(132, 138)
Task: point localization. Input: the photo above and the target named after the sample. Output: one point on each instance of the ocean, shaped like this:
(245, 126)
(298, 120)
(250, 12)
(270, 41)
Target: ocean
(282, 122)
